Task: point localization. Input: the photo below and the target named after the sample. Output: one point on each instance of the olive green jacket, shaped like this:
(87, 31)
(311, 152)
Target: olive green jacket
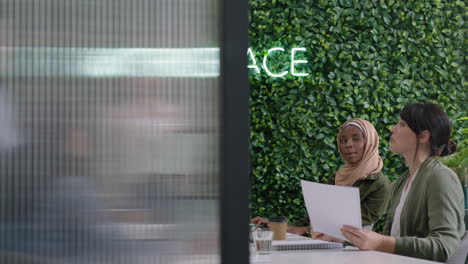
(431, 221)
(374, 192)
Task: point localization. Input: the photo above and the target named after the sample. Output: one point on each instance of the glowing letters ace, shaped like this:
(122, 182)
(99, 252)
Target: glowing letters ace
(293, 62)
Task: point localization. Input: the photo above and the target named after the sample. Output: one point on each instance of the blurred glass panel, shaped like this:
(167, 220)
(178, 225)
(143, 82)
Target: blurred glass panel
(109, 135)
(100, 62)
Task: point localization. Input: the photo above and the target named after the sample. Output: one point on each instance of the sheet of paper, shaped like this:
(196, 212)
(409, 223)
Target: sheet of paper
(330, 207)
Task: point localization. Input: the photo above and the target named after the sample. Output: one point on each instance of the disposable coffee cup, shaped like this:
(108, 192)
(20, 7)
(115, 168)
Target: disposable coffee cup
(279, 226)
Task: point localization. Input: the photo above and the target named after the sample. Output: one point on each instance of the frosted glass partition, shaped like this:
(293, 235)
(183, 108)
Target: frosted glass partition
(109, 131)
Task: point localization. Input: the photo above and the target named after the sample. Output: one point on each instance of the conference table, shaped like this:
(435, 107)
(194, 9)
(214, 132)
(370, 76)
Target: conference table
(346, 255)
(343, 256)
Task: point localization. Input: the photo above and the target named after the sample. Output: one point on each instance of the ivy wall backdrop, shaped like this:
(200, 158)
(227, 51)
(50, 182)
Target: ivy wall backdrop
(315, 64)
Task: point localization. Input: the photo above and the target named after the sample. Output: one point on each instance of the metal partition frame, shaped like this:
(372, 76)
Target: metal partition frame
(235, 122)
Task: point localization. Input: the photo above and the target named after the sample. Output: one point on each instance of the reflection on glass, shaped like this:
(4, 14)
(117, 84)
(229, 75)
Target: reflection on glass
(109, 131)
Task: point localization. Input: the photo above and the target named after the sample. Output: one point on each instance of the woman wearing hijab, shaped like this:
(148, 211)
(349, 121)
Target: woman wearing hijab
(358, 143)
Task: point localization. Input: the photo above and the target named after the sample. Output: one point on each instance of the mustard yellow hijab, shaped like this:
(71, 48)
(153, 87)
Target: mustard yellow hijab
(370, 162)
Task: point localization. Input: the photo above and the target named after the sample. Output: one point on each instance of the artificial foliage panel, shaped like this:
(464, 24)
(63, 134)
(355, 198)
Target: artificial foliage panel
(365, 59)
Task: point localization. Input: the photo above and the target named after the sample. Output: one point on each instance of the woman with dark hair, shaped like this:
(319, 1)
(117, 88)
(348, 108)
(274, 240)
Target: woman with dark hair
(425, 218)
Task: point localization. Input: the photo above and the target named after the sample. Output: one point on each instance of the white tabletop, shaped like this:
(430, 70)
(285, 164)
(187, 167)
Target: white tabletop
(332, 257)
(347, 255)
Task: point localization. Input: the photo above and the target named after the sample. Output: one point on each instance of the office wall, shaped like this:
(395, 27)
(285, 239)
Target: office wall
(364, 59)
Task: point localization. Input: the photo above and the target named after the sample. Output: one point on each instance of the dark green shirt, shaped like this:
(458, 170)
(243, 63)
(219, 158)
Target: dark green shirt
(431, 221)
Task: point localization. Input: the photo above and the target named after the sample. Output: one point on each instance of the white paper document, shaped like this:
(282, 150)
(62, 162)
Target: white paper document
(330, 207)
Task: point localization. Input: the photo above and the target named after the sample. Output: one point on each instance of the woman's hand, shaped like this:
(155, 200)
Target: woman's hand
(368, 240)
(260, 221)
(324, 237)
(297, 230)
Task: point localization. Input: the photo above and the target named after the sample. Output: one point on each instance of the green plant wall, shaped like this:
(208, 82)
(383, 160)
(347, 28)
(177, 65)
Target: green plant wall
(366, 59)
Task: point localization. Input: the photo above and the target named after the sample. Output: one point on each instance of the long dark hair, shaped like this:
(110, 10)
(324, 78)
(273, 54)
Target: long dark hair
(430, 117)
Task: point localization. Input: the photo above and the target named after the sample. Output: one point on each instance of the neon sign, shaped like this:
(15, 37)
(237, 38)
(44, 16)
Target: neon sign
(265, 67)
